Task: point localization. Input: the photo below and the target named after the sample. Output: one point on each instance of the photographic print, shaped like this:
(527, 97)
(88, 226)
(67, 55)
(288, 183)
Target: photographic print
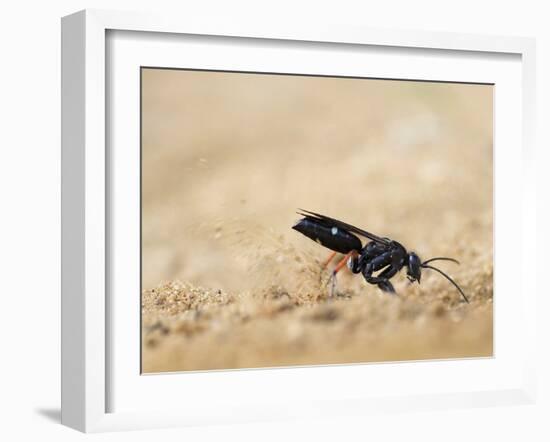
(291, 220)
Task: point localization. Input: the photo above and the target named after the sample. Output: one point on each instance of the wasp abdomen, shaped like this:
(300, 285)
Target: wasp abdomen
(330, 237)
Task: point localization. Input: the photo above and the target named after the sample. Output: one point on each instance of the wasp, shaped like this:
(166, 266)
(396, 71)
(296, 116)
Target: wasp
(382, 255)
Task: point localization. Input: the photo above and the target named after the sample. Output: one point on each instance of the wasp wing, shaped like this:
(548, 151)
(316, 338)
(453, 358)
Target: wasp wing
(342, 225)
(328, 235)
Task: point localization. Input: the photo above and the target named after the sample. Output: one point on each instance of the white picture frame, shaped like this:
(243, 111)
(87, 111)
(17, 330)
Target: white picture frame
(88, 361)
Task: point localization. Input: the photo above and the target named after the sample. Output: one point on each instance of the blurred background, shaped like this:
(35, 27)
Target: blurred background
(229, 157)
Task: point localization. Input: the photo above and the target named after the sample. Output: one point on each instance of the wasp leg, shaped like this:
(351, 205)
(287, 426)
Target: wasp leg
(355, 263)
(386, 286)
(343, 261)
(349, 256)
(329, 259)
(375, 263)
(332, 281)
(382, 280)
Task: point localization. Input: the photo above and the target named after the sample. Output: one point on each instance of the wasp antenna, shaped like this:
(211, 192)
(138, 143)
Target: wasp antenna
(448, 278)
(441, 258)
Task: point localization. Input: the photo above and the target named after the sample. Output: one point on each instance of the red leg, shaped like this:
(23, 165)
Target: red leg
(343, 261)
(338, 267)
(329, 259)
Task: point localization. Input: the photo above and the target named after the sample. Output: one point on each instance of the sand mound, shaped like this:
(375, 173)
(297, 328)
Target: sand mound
(192, 328)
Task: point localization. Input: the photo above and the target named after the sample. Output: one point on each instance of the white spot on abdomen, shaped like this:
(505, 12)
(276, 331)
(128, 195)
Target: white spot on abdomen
(334, 230)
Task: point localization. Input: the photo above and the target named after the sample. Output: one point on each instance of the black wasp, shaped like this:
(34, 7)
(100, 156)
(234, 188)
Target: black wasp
(379, 254)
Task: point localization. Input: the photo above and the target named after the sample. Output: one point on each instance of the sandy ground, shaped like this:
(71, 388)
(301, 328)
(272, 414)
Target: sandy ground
(227, 160)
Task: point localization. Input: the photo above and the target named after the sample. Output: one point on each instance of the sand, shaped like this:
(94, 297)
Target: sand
(227, 160)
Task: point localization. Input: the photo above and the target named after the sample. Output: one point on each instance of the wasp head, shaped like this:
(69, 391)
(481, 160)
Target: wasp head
(413, 267)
